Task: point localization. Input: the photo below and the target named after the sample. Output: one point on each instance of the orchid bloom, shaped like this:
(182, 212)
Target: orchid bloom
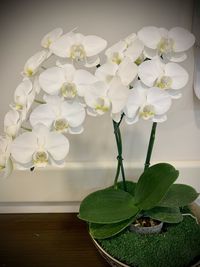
(33, 63)
(102, 97)
(40, 148)
(78, 47)
(170, 76)
(12, 123)
(126, 71)
(6, 165)
(59, 115)
(51, 37)
(146, 103)
(131, 47)
(23, 97)
(172, 44)
(66, 81)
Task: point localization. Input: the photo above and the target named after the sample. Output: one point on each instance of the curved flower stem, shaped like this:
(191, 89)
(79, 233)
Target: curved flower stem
(119, 157)
(26, 129)
(150, 146)
(39, 101)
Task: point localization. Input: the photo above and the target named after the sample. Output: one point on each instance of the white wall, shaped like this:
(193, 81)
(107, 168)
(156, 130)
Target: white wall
(24, 24)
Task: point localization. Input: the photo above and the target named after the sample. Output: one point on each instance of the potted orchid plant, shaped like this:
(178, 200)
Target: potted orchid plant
(139, 80)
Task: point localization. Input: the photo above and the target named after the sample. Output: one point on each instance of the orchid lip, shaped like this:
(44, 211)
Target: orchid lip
(40, 158)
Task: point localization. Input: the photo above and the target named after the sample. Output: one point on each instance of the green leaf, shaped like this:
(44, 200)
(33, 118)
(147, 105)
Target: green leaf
(178, 195)
(169, 215)
(129, 185)
(153, 185)
(102, 231)
(108, 206)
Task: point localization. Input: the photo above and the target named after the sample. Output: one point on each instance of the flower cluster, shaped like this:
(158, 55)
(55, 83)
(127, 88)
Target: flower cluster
(139, 79)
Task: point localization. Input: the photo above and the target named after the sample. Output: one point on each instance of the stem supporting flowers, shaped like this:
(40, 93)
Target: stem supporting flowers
(120, 165)
(150, 146)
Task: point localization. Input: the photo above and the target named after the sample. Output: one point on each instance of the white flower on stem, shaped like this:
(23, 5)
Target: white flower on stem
(78, 47)
(12, 123)
(65, 81)
(102, 97)
(115, 53)
(126, 71)
(130, 47)
(59, 115)
(146, 103)
(6, 165)
(40, 148)
(51, 37)
(23, 98)
(34, 63)
(172, 44)
(170, 76)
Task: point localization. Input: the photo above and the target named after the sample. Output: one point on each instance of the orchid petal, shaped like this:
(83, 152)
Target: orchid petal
(57, 145)
(183, 39)
(106, 72)
(52, 79)
(134, 50)
(159, 99)
(74, 113)
(178, 75)
(150, 36)
(44, 114)
(23, 147)
(176, 57)
(94, 45)
(12, 123)
(150, 70)
(34, 62)
(50, 37)
(118, 95)
(62, 46)
(127, 71)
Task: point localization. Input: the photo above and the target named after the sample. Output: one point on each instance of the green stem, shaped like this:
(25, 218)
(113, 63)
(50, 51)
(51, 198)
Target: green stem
(26, 129)
(150, 146)
(39, 101)
(119, 157)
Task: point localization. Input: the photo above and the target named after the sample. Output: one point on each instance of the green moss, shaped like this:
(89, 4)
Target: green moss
(177, 246)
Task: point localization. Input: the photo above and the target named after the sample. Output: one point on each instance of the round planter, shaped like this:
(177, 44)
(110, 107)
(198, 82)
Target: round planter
(147, 230)
(115, 263)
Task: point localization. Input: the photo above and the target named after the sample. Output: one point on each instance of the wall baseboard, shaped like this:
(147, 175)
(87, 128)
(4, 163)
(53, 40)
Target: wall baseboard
(52, 190)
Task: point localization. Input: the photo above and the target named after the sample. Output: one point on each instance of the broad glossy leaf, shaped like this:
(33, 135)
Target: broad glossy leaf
(169, 215)
(178, 195)
(129, 185)
(153, 185)
(108, 206)
(102, 231)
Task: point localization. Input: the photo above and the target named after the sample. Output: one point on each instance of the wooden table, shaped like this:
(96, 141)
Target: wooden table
(46, 240)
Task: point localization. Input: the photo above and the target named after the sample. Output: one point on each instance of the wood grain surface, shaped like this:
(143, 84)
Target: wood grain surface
(46, 240)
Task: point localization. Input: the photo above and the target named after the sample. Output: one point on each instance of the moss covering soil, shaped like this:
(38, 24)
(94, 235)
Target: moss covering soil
(177, 246)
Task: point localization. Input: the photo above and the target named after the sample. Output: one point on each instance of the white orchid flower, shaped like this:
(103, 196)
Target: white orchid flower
(102, 97)
(115, 53)
(130, 47)
(78, 47)
(12, 123)
(51, 37)
(65, 81)
(23, 98)
(33, 63)
(6, 165)
(126, 71)
(146, 103)
(40, 148)
(170, 76)
(59, 115)
(172, 44)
